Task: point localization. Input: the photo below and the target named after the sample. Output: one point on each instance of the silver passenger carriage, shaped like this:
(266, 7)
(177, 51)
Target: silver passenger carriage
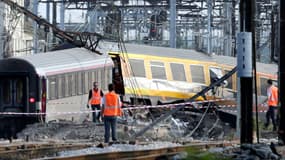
(54, 83)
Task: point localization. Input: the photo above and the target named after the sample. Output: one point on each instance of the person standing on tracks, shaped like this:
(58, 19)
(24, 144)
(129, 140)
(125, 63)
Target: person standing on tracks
(111, 109)
(94, 99)
(272, 102)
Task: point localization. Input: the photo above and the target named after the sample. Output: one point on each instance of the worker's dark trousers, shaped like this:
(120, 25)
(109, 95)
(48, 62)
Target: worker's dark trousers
(271, 114)
(96, 112)
(110, 122)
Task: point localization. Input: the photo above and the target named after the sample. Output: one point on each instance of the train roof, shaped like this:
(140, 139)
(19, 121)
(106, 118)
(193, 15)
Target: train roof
(67, 60)
(261, 67)
(187, 54)
(162, 52)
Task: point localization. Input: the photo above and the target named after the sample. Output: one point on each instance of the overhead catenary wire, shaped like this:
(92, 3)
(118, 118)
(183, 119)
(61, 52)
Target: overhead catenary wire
(136, 91)
(124, 53)
(134, 84)
(121, 47)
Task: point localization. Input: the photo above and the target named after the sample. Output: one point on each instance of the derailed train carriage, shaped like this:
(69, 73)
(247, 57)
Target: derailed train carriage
(59, 81)
(49, 82)
(167, 74)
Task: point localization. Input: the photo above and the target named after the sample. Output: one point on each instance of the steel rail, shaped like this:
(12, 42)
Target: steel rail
(149, 154)
(28, 150)
(48, 151)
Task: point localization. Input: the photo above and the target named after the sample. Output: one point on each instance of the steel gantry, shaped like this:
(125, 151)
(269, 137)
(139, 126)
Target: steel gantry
(204, 25)
(200, 24)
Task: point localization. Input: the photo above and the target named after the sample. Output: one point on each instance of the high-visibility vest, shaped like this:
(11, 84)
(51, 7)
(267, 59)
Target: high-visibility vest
(96, 97)
(111, 107)
(273, 98)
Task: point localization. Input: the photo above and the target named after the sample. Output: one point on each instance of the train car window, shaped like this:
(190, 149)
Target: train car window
(6, 91)
(79, 83)
(99, 80)
(19, 91)
(216, 74)
(263, 86)
(157, 70)
(90, 80)
(138, 68)
(107, 77)
(178, 72)
(110, 75)
(229, 80)
(103, 79)
(197, 73)
(67, 88)
(60, 87)
(86, 82)
(52, 87)
(83, 81)
(72, 82)
(95, 76)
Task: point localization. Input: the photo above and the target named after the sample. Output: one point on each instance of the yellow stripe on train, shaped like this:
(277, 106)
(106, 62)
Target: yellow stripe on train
(159, 93)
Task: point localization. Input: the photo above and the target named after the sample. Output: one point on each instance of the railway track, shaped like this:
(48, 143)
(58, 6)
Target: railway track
(32, 150)
(49, 151)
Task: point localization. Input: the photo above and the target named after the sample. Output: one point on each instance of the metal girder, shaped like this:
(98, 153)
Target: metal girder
(87, 40)
(182, 5)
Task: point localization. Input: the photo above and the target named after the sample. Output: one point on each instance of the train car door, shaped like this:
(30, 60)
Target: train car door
(13, 93)
(117, 75)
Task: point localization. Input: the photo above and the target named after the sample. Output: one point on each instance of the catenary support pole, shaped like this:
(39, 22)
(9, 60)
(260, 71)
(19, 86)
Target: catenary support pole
(272, 36)
(35, 27)
(47, 38)
(281, 131)
(2, 38)
(172, 23)
(245, 70)
(54, 21)
(209, 47)
(62, 16)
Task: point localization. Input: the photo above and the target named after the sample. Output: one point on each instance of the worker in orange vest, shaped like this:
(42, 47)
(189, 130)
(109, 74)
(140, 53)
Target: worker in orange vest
(272, 102)
(94, 99)
(111, 109)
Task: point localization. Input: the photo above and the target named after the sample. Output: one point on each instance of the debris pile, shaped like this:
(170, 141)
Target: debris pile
(198, 126)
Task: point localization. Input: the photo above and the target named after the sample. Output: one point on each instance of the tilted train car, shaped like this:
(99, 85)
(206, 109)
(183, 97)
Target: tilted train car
(152, 74)
(49, 82)
(264, 71)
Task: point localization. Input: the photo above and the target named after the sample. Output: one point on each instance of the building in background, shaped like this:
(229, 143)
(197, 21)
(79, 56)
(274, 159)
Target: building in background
(15, 40)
